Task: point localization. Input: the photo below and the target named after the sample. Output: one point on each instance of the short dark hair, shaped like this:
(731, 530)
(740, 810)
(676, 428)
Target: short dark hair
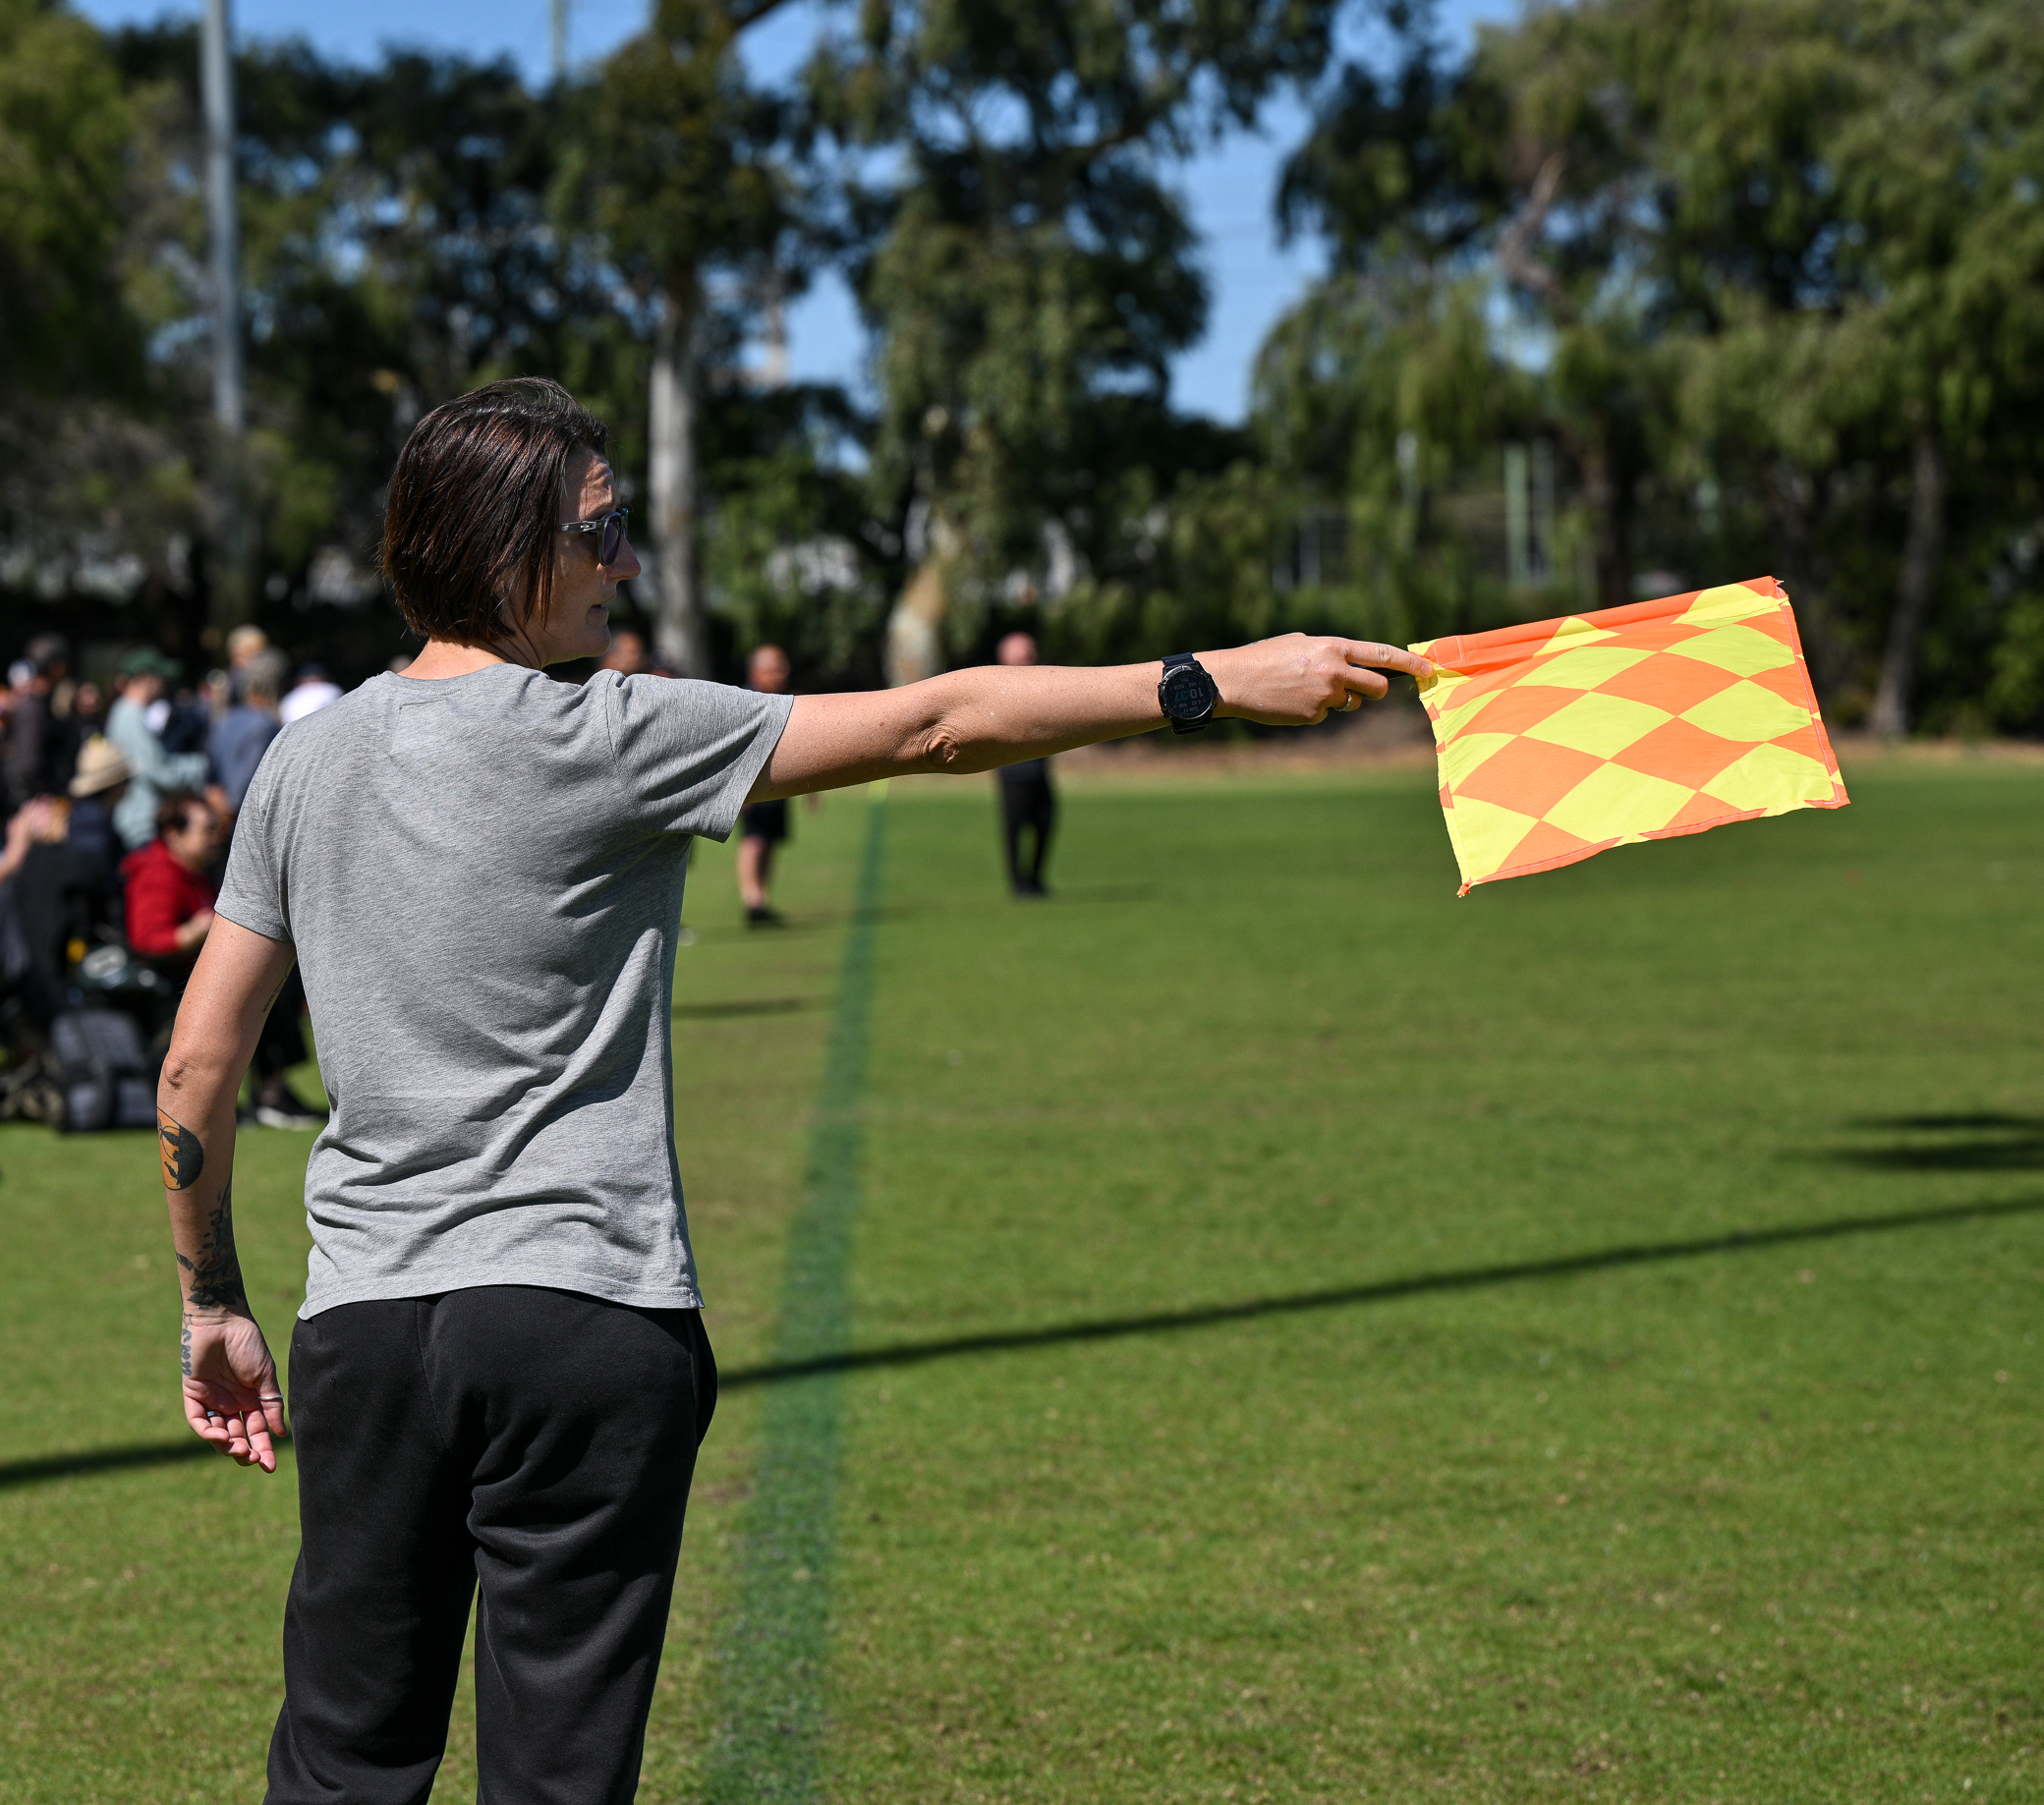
(174, 808)
(468, 531)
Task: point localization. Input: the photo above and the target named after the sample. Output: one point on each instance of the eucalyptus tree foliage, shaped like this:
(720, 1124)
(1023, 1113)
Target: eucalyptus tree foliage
(397, 250)
(1782, 257)
(679, 173)
(1381, 388)
(65, 127)
(71, 348)
(1029, 269)
(1836, 213)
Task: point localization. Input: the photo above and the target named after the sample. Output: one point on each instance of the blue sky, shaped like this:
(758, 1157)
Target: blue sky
(1253, 278)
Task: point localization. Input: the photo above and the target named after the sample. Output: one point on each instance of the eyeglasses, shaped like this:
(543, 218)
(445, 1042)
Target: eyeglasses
(613, 527)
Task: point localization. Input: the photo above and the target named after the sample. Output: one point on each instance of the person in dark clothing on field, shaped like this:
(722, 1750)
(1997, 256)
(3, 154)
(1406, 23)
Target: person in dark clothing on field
(763, 825)
(1027, 804)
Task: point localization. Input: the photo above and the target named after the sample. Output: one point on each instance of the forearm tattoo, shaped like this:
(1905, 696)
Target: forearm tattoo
(216, 1274)
(182, 1157)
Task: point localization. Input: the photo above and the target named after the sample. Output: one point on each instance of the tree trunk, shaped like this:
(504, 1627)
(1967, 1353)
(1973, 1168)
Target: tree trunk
(1608, 489)
(915, 629)
(1793, 503)
(679, 642)
(1921, 551)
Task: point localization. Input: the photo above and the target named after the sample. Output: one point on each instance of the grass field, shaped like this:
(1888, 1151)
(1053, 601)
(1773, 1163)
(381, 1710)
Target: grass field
(1314, 1339)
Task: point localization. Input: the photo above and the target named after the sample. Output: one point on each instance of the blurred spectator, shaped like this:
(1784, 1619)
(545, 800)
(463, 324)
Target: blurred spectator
(170, 912)
(170, 882)
(183, 721)
(95, 792)
(627, 654)
(40, 743)
(28, 825)
(30, 966)
(244, 732)
(151, 770)
(311, 692)
(765, 825)
(63, 886)
(1027, 804)
(87, 710)
(243, 644)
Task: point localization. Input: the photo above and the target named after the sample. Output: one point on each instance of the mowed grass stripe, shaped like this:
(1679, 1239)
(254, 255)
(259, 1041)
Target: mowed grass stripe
(775, 1649)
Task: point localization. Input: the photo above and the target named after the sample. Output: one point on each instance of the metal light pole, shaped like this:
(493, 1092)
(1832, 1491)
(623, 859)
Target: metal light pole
(231, 604)
(560, 42)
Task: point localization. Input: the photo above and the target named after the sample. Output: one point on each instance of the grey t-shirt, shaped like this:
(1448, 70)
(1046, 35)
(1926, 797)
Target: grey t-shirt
(482, 878)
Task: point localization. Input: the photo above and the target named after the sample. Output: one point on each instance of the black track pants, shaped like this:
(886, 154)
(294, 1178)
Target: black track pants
(536, 1443)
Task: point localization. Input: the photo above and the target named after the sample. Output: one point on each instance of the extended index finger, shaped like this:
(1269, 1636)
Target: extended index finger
(1379, 656)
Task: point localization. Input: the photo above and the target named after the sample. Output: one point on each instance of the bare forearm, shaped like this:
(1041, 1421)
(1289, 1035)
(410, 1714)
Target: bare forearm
(194, 1122)
(230, 1380)
(222, 1013)
(972, 720)
(965, 720)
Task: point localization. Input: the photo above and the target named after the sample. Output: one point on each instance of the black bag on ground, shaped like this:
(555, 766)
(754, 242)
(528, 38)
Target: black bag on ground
(103, 1070)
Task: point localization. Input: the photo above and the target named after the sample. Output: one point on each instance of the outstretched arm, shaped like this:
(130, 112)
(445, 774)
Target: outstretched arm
(972, 720)
(231, 1395)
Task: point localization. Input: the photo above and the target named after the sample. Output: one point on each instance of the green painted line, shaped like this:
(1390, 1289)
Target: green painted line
(774, 1654)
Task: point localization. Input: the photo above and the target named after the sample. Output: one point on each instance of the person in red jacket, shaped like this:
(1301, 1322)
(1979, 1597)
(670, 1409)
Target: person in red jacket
(170, 913)
(170, 883)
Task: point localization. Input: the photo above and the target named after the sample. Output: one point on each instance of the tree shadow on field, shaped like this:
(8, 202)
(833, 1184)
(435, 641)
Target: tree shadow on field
(1980, 1143)
(1471, 1279)
(1209, 1316)
(114, 1460)
(746, 1005)
(1106, 892)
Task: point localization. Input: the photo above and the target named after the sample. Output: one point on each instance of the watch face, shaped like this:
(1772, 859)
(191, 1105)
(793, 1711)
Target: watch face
(1186, 693)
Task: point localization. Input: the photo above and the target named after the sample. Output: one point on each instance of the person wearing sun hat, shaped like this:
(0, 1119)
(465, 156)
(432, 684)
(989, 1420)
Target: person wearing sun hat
(152, 772)
(96, 789)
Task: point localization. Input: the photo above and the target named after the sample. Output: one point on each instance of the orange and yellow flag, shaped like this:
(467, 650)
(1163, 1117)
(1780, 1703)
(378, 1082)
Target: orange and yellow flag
(1562, 737)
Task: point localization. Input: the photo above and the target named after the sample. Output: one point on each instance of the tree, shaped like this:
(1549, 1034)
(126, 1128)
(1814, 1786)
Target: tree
(1777, 255)
(398, 250)
(677, 174)
(71, 344)
(1030, 271)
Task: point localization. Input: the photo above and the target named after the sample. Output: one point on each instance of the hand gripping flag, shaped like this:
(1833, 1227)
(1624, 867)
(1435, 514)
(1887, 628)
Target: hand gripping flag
(1564, 737)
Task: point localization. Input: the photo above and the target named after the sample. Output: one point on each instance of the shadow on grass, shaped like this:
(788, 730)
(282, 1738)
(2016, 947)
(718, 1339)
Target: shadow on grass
(745, 1005)
(1111, 1329)
(1982, 1142)
(1106, 892)
(111, 1460)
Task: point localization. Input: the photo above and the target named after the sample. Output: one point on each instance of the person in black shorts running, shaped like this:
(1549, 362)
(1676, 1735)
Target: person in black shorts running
(1027, 804)
(763, 825)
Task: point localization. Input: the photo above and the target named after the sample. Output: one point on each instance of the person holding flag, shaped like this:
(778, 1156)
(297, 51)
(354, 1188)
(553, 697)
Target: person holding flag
(500, 1374)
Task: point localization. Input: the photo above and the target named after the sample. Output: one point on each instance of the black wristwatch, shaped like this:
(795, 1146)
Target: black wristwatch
(1187, 695)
